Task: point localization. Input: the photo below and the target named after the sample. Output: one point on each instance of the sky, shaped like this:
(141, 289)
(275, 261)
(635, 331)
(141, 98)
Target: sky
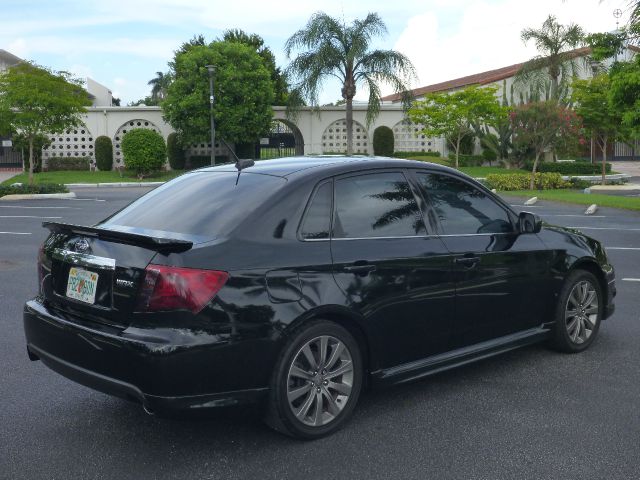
(123, 43)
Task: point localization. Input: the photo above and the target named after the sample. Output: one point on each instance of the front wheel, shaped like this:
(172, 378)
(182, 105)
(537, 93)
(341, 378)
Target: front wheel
(317, 381)
(578, 313)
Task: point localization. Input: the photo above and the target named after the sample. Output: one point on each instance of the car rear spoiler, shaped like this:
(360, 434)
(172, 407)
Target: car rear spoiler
(159, 244)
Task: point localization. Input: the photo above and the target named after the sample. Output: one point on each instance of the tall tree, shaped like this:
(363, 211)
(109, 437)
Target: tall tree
(555, 62)
(543, 126)
(256, 42)
(36, 101)
(159, 86)
(243, 94)
(329, 48)
(456, 115)
(599, 117)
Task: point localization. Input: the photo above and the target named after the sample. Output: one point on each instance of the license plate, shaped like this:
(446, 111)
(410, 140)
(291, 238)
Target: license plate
(82, 285)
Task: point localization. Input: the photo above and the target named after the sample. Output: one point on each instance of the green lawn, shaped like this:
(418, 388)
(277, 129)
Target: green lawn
(576, 196)
(90, 177)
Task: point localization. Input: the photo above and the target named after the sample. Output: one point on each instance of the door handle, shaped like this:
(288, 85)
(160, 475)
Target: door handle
(362, 269)
(468, 262)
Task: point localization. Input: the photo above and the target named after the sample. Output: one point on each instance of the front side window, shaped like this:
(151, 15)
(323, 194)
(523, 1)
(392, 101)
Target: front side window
(376, 205)
(463, 209)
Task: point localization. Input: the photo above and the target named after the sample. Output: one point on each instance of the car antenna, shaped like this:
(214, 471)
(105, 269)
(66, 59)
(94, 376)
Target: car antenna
(240, 164)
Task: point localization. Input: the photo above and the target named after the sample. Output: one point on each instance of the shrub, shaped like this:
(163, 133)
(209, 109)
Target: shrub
(104, 153)
(175, 152)
(55, 164)
(143, 150)
(569, 168)
(383, 141)
(520, 181)
(199, 161)
(467, 160)
(35, 188)
(401, 154)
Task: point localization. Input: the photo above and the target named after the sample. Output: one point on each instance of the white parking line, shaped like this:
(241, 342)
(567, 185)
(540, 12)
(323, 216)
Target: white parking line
(622, 248)
(631, 279)
(609, 228)
(568, 215)
(14, 233)
(28, 216)
(85, 200)
(528, 206)
(24, 206)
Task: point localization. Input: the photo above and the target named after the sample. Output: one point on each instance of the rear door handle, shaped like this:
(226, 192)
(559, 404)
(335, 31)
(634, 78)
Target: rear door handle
(360, 269)
(468, 262)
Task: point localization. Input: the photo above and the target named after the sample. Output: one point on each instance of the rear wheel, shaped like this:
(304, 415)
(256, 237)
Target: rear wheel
(578, 313)
(317, 381)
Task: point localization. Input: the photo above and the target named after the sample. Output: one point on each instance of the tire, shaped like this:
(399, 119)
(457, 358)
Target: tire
(578, 313)
(310, 400)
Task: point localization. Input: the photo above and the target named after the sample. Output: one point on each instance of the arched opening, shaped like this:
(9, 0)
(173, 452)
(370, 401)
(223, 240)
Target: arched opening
(120, 133)
(408, 137)
(334, 138)
(74, 142)
(284, 140)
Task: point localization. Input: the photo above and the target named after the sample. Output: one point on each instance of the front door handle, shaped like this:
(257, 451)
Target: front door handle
(362, 269)
(468, 262)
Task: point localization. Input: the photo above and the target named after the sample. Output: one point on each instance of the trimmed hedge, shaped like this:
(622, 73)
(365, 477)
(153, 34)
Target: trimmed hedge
(467, 160)
(569, 168)
(104, 153)
(143, 150)
(175, 152)
(55, 164)
(383, 141)
(36, 188)
(520, 181)
(401, 154)
(199, 161)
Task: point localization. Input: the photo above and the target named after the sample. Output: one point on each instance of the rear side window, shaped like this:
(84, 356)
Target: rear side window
(317, 218)
(202, 204)
(462, 208)
(376, 205)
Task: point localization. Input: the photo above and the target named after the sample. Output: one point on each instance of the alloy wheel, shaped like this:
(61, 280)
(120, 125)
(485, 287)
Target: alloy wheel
(581, 311)
(320, 380)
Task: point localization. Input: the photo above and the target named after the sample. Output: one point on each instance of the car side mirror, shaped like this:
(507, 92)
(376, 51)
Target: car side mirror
(529, 222)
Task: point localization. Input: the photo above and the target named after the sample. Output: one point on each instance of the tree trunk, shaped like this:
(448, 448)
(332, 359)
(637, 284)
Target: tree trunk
(349, 126)
(30, 160)
(532, 182)
(458, 152)
(605, 140)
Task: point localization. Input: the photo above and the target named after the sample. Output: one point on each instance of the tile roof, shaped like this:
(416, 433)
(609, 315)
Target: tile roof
(479, 78)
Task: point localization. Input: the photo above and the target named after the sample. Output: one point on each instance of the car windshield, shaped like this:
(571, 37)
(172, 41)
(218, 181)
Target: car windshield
(199, 205)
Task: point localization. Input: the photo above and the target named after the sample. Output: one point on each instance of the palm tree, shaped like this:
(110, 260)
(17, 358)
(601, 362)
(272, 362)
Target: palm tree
(159, 86)
(555, 64)
(329, 48)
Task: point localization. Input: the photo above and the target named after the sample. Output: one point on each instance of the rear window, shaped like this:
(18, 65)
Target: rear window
(202, 204)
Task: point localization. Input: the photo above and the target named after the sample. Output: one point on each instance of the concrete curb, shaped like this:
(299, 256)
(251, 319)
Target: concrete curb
(37, 196)
(114, 185)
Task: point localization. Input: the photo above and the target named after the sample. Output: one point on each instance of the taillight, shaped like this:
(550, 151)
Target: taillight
(175, 288)
(40, 268)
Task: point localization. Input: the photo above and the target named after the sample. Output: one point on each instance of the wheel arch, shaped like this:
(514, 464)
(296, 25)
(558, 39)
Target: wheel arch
(591, 265)
(347, 319)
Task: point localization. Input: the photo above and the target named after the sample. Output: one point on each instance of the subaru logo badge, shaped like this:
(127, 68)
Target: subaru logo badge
(81, 245)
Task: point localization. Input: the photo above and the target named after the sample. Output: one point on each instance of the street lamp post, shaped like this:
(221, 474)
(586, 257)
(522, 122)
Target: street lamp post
(212, 70)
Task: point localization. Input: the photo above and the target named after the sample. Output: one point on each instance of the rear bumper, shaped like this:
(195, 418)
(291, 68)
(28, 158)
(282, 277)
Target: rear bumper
(149, 367)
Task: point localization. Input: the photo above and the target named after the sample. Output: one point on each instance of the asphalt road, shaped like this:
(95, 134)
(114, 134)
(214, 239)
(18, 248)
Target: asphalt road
(531, 413)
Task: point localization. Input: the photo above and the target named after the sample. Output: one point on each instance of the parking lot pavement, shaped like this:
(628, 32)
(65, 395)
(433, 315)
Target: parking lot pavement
(531, 413)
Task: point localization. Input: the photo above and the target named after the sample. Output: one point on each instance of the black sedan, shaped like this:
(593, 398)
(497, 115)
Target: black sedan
(298, 282)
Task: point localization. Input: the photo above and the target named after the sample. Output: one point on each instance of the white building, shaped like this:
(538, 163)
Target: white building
(315, 131)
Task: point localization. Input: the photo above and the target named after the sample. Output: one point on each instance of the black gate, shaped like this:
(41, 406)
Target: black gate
(283, 141)
(8, 157)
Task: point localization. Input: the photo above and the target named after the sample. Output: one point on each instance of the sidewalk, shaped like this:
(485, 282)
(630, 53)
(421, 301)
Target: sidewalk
(7, 174)
(630, 168)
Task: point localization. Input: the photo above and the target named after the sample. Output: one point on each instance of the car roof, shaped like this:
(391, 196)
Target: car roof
(321, 165)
